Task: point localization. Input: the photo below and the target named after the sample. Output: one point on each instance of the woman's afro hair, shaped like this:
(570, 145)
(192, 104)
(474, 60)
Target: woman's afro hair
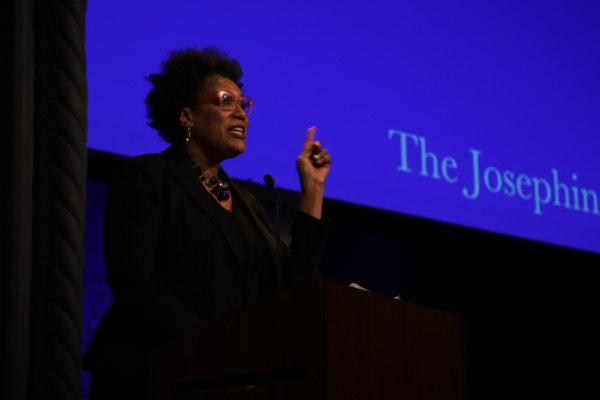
(182, 76)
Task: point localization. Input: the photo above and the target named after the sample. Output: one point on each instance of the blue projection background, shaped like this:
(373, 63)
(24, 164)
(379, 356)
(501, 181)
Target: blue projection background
(483, 114)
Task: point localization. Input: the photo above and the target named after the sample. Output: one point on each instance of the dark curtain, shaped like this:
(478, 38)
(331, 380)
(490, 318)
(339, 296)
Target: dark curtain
(42, 205)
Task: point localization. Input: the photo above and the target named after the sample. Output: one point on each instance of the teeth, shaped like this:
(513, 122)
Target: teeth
(237, 129)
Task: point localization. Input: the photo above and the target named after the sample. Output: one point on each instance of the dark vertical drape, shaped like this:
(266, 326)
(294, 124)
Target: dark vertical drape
(16, 195)
(43, 198)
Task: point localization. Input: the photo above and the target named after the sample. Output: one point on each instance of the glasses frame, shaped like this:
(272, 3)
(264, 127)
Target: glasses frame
(219, 93)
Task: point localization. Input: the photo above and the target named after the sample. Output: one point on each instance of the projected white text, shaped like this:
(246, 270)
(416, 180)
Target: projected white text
(553, 191)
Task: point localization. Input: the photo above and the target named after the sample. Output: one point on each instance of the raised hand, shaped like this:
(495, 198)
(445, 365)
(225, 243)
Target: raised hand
(313, 163)
(313, 166)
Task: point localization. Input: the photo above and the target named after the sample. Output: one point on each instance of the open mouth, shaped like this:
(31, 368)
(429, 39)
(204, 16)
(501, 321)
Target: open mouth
(237, 131)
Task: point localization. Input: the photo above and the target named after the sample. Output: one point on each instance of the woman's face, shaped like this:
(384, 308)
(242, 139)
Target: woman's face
(218, 134)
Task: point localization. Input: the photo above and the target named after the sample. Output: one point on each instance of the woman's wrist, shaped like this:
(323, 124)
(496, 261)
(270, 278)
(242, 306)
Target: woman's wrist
(311, 201)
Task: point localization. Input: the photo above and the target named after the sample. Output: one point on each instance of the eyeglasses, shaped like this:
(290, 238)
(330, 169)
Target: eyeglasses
(227, 101)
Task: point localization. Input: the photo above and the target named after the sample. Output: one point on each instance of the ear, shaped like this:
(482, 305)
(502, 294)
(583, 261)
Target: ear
(185, 117)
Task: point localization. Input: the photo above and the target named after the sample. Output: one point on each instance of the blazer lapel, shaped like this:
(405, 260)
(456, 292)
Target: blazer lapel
(177, 162)
(260, 224)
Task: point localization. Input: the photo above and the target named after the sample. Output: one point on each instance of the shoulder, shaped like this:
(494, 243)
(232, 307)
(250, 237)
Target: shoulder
(146, 162)
(142, 168)
(138, 176)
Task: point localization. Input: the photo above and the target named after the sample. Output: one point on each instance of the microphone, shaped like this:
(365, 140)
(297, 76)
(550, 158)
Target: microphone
(270, 182)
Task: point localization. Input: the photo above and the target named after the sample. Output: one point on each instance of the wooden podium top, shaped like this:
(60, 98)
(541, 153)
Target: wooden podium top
(315, 339)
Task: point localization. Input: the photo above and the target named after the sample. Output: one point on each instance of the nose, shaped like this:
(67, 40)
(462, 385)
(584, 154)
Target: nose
(238, 112)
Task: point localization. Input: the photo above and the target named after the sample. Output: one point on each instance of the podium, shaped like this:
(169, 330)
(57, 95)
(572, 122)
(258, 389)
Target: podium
(315, 339)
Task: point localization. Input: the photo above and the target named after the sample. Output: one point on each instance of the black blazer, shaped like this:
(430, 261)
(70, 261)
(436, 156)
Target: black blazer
(172, 267)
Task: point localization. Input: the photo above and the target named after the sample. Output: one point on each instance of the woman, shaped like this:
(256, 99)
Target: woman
(183, 244)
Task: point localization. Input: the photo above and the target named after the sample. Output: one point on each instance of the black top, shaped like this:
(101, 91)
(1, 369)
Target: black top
(257, 268)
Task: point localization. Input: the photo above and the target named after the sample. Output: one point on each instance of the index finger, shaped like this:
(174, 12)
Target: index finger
(310, 135)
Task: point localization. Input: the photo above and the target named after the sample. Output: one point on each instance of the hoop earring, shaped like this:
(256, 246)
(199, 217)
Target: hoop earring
(189, 134)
